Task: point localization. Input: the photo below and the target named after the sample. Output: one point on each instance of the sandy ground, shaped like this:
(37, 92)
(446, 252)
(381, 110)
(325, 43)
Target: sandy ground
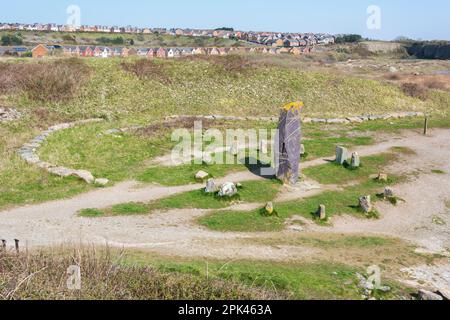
(176, 233)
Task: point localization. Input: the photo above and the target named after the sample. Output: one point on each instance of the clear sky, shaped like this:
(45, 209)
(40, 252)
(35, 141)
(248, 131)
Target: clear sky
(417, 19)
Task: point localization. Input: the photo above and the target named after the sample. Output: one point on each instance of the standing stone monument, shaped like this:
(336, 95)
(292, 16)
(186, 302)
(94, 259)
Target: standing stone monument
(341, 155)
(287, 144)
(356, 160)
(366, 204)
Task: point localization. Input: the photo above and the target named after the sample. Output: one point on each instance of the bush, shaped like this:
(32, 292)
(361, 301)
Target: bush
(11, 40)
(147, 69)
(435, 84)
(57, 81)
(415, 90)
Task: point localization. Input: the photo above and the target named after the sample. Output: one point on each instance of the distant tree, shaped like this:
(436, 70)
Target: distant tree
(349, 38)
(225, 29)
(106, 40)
(11, 40)
(131, 42)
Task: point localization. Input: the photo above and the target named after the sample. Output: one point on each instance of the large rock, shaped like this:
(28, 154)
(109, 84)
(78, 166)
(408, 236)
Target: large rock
(287, 144)
(228, 189)
(388, 192)
(269, 208)
(101, 181)
(341, 155)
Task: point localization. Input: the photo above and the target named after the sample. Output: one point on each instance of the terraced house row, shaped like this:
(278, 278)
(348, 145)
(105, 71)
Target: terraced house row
(109, 52)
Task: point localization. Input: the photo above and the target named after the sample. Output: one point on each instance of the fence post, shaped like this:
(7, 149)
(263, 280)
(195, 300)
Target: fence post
(3, 244)
(425, 127)
(17, 245)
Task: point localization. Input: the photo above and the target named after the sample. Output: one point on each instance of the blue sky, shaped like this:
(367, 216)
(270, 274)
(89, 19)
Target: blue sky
(416, 19)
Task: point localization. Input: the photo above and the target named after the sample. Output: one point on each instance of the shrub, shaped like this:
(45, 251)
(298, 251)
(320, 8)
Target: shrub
(435, 84)
(57, 81)
(147, 69)
(415, 90)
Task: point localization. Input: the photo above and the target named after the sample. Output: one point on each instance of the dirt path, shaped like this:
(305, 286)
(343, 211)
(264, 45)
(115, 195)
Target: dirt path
(175, 233)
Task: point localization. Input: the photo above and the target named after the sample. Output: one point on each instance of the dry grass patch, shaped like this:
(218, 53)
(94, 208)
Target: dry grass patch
(147, 69)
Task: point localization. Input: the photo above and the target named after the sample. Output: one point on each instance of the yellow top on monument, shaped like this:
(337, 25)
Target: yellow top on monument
(294, 105)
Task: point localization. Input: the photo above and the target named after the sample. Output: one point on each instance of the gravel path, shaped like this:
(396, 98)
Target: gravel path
(175, 233)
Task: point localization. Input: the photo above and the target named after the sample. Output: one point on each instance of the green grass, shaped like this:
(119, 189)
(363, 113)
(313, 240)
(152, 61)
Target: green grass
(437, 171)
(333, 173)
(90, 213)
(323, 280)
(251, 192)
(336, 202)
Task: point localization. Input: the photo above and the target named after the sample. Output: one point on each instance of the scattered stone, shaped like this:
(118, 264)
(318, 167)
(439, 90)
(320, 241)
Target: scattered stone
(365, 204)
(210, 186)
(101, 181)
(269, 208)
(356, 160)
(287, 150)
(296, 228)
(341, 155)
(201, 175)
(9, 114)
(428, 295)
(393, 69)
(382, 177)
(354, 119)
(336, 121)
(60, 171)
(321, 212)
(228, 190)
(318, 120)
(388, 192)
(84, 175)
(113, 131)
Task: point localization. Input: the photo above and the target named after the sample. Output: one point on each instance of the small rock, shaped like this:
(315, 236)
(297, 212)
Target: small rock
(428, 295)
(388, 192)
(365, 204)
(354, 119)
(113, 131)
(382, 177)
(321, 212)
(60, 171)
(269, 208)
(101, 181)
(356, 160)
(228, 190)
(296, 228)
(201, 175)
(393, 69)
(84, 175)
(341, 155)
(210, 186)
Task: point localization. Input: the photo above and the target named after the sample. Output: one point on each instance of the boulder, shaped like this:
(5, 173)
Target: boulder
(228, 189)
(201, 175)
(84, 175)
(356, 160)
(428, 295)
(210, 186)
(365, 204)
(341, 155)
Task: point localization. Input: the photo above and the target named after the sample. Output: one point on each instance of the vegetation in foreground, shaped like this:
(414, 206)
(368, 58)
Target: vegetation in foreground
(43, 276)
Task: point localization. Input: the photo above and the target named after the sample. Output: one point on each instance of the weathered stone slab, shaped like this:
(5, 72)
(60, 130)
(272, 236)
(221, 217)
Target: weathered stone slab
(356, 160)
(201, 175)
(341, 155)
(84, 175)
(210, 186)
(365, 204)
(321, 212)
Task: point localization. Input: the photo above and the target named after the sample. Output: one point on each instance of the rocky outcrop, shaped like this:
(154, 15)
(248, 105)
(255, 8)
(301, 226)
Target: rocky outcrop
(430, 51)
(28, 152)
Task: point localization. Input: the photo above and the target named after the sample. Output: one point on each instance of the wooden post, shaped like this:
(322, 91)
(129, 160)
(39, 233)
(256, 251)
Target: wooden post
(17, 245)
(425, 127)
(3, 244)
